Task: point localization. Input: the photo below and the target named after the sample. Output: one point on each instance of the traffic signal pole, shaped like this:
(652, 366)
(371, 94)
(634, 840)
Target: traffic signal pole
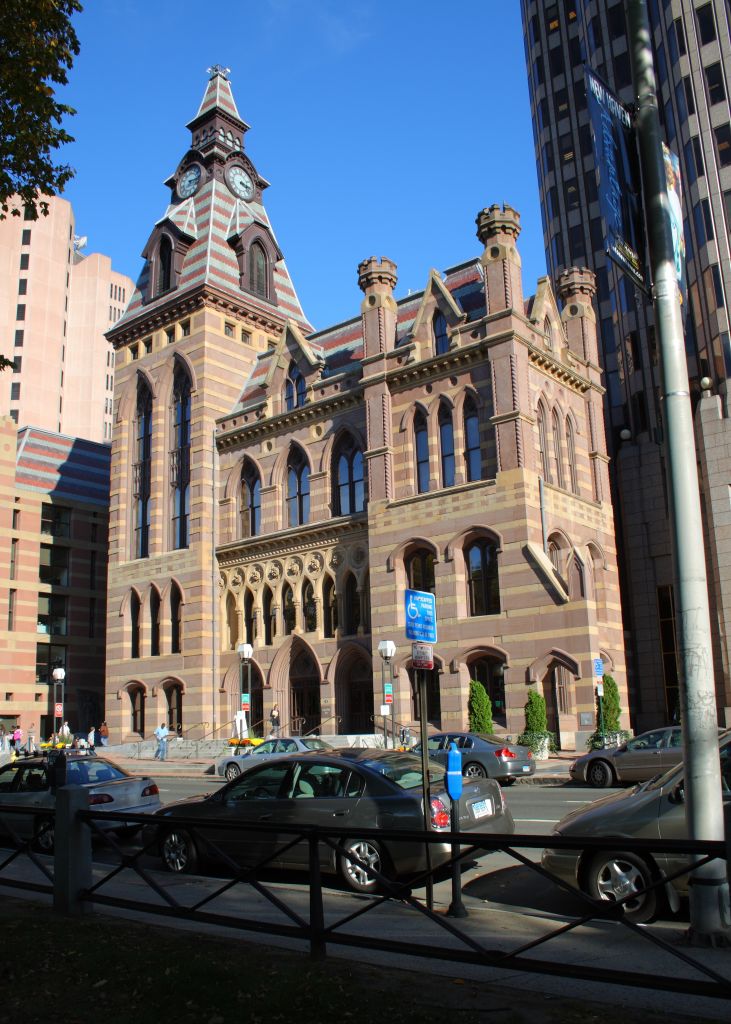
(710, 919)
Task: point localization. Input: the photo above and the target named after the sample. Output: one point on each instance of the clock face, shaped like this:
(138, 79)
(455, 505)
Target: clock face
(188, 181)
(239, 182)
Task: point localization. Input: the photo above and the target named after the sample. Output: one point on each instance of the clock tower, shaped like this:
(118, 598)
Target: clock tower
(213, 294)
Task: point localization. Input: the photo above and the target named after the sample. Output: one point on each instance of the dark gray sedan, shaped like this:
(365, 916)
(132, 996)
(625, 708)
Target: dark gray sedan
(637, 760)
(358, 788)
(232, 765)
(483, 756)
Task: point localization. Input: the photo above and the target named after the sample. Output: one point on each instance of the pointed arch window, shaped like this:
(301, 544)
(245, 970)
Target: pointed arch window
(134, 616)
(421, 448)
(420, 570)
(288, 610)
(557, 455)
(446, 444)
(294, 389)
(137, 708)
(309, 607)
(180, 458)
(154, 622)
(439, 329)
(329, 608)
(250, 500)
(543, 443)
(142, 469)
(472, 453)
(249, 620)
(571, 453)
(298, 489)
(258, 270)
(482, 578)
(232, 623)
(164, 265)
(352, 606)
(348, 484)
(176, 633)
(270, 626)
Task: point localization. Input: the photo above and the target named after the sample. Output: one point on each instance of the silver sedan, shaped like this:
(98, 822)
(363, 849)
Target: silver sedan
(232, 765)
(637, 760)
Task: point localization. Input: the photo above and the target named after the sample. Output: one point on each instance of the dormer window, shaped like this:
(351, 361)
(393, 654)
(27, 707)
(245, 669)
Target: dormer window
(258, 270)
(164, 265)
(441, 338)
(294, 389)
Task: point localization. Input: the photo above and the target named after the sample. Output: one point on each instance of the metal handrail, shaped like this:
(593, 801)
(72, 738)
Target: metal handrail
(318, 728)
(190, 728)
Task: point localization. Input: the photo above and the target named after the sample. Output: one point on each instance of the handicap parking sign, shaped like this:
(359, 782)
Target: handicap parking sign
(421, 616)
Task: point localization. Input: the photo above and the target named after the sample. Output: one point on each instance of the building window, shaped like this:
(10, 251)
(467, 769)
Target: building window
(446, 445)
(329, 608)
(53, 566)
(18, 365)
(170, 335)
(23, 286)
(19, 338)
(55, 521)
(439, 330)
(491, 673)
(164, 265)
(185, 328)
(298, 489)
(250, 500)
(482, 578)
(15, 391)
(270, 625)
(134, 619)
(352, 606)
(472, 453)
(309, 607)
(420, 571)
(137, 704)
(571, 452)
(26, 237)
(11, 610)
(176, 608)
(348, 484)
(180, 458)
(723, 144)
(258, 270)
(288, 610)
(557, 456)
(544, 466)
(706, 24)
(714, 83)
(154, 622)
(421, 448)
(228, 329)
(294, 389)
(142, 470)
(52, 616)
(249, 620)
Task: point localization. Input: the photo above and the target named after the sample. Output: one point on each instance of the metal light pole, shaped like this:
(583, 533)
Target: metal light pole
(709, 900)
(59, 677)
(387, 649)
(245, 653)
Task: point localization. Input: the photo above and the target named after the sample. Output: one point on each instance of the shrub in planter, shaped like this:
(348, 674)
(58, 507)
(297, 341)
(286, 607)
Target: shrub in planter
(612, 735)
(479, 708)
(536, 735)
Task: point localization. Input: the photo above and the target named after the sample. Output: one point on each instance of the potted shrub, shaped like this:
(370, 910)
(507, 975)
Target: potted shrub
(536, 734)
(479, 708)
(611, 735)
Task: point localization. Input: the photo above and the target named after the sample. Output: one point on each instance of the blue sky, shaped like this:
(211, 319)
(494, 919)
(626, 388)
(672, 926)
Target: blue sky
(383, 128)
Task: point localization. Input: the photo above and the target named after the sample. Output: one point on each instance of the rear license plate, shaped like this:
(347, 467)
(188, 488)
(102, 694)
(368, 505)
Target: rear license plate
(482, 808)
(526, 767)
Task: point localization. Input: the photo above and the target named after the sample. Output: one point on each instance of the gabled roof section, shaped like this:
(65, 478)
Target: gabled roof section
(63, 467)
(435, 287)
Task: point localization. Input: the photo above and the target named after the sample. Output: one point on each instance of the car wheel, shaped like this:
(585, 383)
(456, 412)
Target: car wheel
(44, 838)
(617, 876)
(232, 771)
(353, 874)
(178, 851)
(600, 774)
(473, 770)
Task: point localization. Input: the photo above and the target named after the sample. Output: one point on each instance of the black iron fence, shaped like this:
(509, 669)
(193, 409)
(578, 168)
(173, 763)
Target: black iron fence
(396, 920)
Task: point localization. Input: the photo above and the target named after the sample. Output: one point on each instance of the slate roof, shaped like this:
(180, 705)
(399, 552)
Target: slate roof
(63, 467)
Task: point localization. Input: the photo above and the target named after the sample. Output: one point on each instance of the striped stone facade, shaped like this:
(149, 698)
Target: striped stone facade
(450, 441)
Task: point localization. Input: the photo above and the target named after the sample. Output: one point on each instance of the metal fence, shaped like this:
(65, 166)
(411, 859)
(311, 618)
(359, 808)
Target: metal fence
(396, 920)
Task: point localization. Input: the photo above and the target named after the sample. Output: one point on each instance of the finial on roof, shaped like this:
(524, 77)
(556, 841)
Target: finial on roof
(219, 69)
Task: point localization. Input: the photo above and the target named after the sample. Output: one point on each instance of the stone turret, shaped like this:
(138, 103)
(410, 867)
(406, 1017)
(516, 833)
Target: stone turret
(498, 229)
(377, 280)
(576, 288)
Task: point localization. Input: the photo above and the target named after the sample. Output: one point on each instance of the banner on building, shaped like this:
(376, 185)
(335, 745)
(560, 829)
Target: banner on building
(675, 203)
(618, 178)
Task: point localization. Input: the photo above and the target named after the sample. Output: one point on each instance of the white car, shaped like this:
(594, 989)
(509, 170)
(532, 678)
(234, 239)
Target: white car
(28, 783)
(232, 765)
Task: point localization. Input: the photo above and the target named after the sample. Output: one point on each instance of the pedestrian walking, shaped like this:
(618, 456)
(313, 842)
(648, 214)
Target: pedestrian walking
(30, 746)
(274, 720)
(162, 734)
(2, 738)
(104, 734)
(17, 741)
(91, 738)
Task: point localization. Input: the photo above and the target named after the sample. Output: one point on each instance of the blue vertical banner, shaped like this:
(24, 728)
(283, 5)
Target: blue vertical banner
(675, 206)
(618, 178)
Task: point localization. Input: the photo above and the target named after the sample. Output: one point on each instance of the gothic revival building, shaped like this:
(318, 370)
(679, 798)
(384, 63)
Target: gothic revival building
(283, 487)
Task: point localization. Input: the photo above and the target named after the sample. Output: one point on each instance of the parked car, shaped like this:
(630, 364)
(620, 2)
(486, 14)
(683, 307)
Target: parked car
(28, 783)
(637, 760)
(362, 788)
(232, 765)
(483, 756)
(651, 810)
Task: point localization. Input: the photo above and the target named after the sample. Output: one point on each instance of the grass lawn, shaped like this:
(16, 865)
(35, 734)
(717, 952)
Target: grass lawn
(99, 970)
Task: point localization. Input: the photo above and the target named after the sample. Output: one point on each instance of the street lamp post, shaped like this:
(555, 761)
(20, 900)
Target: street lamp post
(246, 653)
(387, 649)
(59, 686)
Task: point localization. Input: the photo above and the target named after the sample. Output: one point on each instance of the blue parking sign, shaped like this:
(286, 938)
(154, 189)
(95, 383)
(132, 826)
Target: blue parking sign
(421, 616)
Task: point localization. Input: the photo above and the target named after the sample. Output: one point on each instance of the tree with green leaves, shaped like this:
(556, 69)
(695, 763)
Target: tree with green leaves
(38, 44)
(608, 713)
(536, 734)
(479, 708)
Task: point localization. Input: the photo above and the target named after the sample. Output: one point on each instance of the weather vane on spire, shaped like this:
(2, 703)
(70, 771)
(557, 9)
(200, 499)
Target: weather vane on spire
(219, 69)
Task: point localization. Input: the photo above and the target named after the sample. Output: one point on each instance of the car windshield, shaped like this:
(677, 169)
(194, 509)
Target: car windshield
(314, 744)
(404, 769)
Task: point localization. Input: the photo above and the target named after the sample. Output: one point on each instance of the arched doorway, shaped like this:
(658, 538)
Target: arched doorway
(304, 693)
(354, 693)
(174, 697)
(490, 671)
(557, 691)
(256, 707)
(433, 696)
(137, 709)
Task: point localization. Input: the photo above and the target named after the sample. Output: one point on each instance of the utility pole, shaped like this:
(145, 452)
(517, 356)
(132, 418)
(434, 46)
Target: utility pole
(709, 898)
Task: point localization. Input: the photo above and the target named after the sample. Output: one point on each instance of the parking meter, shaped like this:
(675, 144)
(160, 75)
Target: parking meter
(454, 772)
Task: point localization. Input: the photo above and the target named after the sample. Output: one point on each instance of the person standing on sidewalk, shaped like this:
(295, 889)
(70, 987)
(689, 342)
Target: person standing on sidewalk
(104, 734)
(162, 741)
(274, 720)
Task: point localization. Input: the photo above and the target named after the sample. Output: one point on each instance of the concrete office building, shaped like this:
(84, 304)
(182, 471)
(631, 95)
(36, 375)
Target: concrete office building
(55, 306)
(692, 47)
(283, 487)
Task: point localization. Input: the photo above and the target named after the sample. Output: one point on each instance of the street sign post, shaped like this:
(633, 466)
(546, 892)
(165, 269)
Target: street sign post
(58, 711)
(422, 656)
